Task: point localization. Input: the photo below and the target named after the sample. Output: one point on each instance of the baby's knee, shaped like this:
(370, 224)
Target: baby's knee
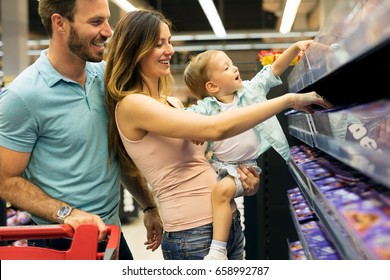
(224, 190)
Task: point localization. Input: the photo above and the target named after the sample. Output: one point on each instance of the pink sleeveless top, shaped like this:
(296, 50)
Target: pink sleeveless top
(180, 175)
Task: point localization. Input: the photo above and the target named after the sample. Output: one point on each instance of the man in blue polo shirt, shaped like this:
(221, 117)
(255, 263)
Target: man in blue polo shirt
(53, 129)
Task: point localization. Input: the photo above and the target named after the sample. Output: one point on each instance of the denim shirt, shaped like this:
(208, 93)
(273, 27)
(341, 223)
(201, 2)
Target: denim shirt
(270, 132)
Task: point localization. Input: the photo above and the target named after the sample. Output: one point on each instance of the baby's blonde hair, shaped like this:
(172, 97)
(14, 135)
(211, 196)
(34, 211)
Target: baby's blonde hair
(196, 73)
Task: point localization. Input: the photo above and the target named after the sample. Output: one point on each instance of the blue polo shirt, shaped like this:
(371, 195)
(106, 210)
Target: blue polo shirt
(64, 127)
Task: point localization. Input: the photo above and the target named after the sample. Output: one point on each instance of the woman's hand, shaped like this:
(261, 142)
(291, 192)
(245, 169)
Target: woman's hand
(303, 101)
(154, 229)
(250, 180)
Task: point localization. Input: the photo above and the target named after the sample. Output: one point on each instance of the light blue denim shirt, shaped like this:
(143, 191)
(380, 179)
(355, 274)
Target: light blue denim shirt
(270, 132)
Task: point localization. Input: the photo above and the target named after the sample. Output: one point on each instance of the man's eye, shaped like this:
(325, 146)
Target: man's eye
(96, 23)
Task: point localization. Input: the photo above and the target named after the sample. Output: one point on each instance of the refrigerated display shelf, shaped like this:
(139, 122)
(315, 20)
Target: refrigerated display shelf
(349, 64)
(347, 245)
(317, 244)
(347, 53)
(349, 135)
(301, 237)
(374, 165)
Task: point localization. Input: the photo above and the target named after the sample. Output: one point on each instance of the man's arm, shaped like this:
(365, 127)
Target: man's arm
(138, 188)
(21, 193)
(26, 196)
(283, 61)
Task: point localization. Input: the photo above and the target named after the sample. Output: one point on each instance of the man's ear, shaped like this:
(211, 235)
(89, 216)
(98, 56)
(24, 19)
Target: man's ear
(211, 87)
(58, 22)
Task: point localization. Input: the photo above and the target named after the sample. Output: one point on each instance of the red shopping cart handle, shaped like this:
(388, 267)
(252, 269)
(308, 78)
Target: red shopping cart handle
(112, 248)
(35, 232)
(84, 242)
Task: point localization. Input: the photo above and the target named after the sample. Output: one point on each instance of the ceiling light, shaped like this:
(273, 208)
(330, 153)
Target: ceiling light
(213, 17)
(290, 11)
(124, 5)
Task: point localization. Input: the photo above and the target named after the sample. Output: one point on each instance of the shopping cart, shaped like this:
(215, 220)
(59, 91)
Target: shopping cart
(84, 244)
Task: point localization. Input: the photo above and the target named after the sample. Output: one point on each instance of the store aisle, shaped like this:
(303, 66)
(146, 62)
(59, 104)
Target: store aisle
(135, 234)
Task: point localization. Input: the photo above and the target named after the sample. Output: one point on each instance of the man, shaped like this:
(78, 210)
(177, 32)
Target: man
(53, 130)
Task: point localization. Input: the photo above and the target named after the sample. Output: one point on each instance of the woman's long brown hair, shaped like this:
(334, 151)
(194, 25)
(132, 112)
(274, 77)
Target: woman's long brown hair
(136, 35)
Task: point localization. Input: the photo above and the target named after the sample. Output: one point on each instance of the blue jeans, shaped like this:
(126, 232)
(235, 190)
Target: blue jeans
(194, 244)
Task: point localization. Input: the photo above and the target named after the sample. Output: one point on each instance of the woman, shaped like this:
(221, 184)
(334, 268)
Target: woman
(153, 136)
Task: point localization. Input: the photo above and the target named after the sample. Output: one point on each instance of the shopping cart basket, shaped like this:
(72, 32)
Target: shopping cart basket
(84, 244)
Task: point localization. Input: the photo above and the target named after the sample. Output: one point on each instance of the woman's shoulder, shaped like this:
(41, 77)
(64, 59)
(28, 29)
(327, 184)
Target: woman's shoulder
(140, 103)
(136, 98)
(133, 101)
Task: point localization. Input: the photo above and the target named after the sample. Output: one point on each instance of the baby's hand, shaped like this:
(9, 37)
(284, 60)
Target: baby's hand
(304, 45)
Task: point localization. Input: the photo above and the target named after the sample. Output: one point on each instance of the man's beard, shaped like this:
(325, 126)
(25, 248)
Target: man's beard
(80, 47)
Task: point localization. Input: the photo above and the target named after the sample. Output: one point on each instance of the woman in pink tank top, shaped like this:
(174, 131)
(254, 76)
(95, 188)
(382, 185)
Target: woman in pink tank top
(151, 135)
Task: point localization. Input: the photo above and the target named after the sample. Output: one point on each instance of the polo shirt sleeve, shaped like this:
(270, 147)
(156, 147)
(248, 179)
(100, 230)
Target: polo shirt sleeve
(18, 130)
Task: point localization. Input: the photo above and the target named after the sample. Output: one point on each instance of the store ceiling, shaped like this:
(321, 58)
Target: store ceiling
(250, 24)
(248, 20)
(188, 17)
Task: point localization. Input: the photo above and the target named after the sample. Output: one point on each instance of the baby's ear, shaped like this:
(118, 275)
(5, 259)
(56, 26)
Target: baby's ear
(211, 87)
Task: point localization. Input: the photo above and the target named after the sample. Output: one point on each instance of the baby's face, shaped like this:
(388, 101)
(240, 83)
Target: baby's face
(224, 75)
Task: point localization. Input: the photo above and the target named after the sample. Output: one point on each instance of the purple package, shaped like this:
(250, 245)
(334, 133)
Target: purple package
(311, 165)
(293, 192)
(341, 171)
(329, 183)
(304, 214)
(378, 242)
(296, 199)
(301, 157)
(366, 190)
(295, 246)
(365, 216)
(349, 176)
(301, 206)
(340, 197)
(324, 252)
(316, 238)
(317, 173)
(310, 227)
(385, 197)
(298, 255)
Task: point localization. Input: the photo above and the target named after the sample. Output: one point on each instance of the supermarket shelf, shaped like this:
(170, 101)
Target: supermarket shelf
(348, 64)
(349, 44)
(346, 242)
(301, 237)
(314, 240)
(348, 135)
(373, 165)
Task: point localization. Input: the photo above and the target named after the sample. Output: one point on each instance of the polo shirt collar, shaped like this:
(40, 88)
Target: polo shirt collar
(51, 75)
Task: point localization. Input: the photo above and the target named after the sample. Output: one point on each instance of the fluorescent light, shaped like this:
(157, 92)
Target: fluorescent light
(290, 11)
(207, 6)
(241, 35)
(213, 17)
(124, 5)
